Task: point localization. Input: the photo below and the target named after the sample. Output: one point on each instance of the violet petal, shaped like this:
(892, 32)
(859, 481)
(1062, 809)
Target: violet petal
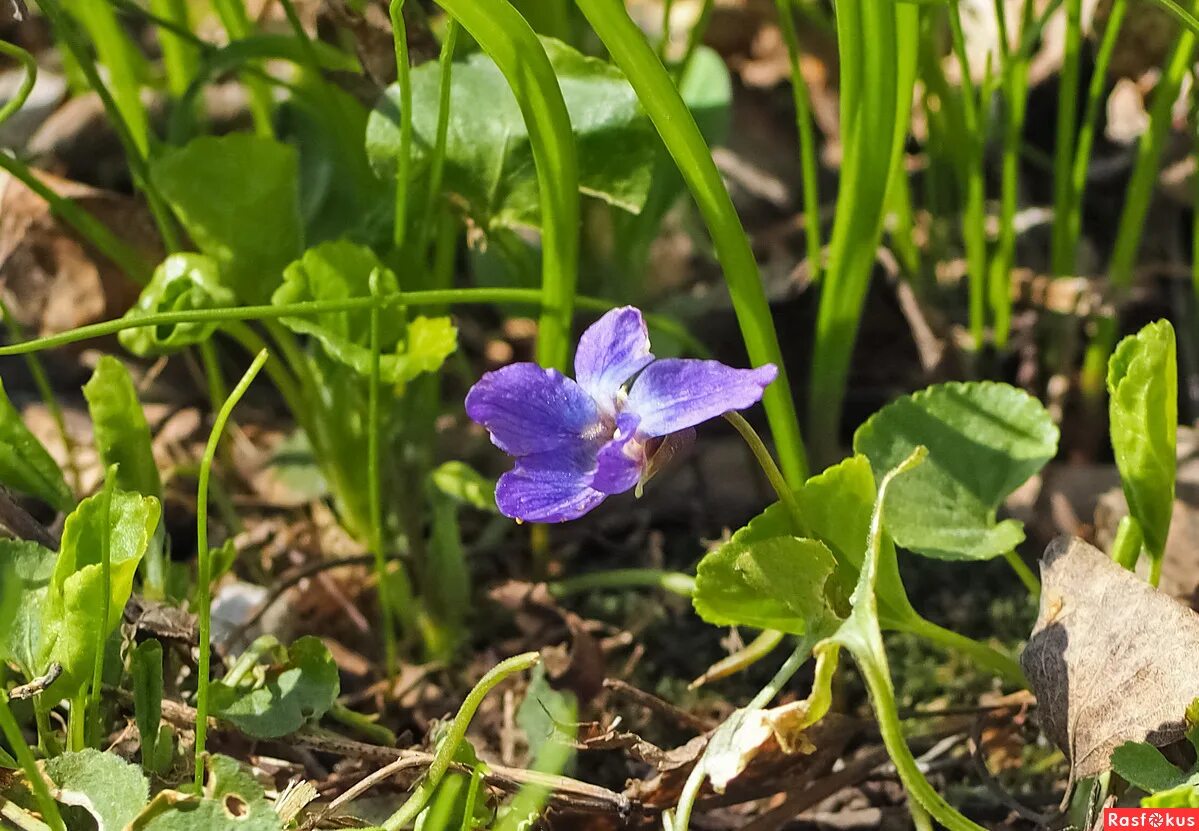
(528, 409)
(549, 487)
(610, 352)
(676, 393)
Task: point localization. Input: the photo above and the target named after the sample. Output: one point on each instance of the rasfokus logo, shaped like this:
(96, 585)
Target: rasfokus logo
(1151, 818)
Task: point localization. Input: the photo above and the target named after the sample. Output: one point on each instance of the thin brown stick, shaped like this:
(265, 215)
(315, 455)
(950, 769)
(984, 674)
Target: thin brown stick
(663, 708)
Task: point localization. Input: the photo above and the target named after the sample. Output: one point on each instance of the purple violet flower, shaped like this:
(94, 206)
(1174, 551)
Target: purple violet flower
(579, 441)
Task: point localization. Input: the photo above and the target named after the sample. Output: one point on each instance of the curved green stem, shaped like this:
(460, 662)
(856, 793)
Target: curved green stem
(674, 582)
(681, 135)
(448, 746)
(41, 793)
(28, 62)
(766, 461)
(1025, 574)
(878, 682)
(315, 307)
(374, 488)
(981, 654)
(204, 578)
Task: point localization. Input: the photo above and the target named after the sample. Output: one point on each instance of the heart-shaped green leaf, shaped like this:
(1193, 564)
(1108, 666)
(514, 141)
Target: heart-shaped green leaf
(182, 283)
(238, 197)
(1142, 379)
(113, 791)
(25, 465)
(295, 688)
(489, 159)
(984, 440)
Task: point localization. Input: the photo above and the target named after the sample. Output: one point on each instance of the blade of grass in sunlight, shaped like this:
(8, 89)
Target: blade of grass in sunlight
(1136, 206)
(676, 126)
(809, 169)
(399, 34)
(1062, 253)
(878, 45)
(507, 38)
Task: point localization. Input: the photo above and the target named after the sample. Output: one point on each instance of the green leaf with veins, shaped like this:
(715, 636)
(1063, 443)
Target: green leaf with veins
(182, 282)
(25, 465)
(489, 159)
(1143, 765)
(984, 440)
(70, 627)
(1142, 380)
(49, 602)
(25, 571)
(1185, 795)
(237, 196)
(294, 687)
(121, 432)
(113, 791)
(339, 270)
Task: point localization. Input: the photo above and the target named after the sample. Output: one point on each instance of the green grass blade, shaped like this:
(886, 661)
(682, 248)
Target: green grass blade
(878, 44)
(509, 40)
(676, 126)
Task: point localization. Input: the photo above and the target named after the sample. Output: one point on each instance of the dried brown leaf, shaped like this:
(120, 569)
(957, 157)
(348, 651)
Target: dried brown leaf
(1110, 658)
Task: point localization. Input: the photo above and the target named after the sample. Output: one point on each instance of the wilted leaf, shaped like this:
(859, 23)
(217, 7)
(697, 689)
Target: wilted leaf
(1110, 658)
(238, 198)
(1142, 379)
(113, 791)
(984, 440)
(119, 424)
(295, 688)
(489, 159)
(182, 283)
(25, 465)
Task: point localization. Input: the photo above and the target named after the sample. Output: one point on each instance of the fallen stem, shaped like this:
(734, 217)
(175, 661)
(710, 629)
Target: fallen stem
(674, 582)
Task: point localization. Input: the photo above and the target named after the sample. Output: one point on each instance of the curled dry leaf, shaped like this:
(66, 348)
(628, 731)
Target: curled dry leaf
(53, 282)
(1110, 658)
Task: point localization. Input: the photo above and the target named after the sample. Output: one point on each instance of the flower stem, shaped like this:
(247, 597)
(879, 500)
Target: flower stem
(674, 582)
(373, 478)
(981, 654)
(453, 738)
(203, 599)
(1025, 574)
(762, 454)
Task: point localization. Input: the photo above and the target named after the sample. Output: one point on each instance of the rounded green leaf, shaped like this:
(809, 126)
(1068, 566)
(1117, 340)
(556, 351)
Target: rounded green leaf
(296, 688)
(984, 440)
(181, 283)
(489, 157)
(1142, 379)
(238, 198)
(113, 791)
